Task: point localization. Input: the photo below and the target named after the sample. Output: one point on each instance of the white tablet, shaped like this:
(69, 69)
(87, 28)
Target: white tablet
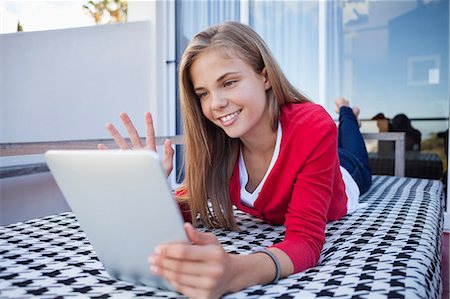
(123, 204)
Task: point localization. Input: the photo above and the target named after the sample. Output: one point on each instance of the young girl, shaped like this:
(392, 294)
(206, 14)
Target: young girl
(253, 141)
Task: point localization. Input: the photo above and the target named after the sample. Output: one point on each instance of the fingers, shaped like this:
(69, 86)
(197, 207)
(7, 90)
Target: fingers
(168, 149)
(168, 156)
(120, 141)
(136, 143)
(191, 292)
(132, 132)
(188, 267)
(149, 132)
(188, 252)
(198, 237)
(101, 146)
(194, 270)
(200, 283)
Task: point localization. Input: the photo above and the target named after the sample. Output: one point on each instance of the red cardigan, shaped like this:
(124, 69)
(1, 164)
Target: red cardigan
(304, 189)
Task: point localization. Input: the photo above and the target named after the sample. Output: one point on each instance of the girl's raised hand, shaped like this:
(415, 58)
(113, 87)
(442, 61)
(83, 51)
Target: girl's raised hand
(199, 270)
(136, 143)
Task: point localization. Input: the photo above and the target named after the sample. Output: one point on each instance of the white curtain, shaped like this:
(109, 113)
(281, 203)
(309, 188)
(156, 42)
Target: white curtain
(334, 53)
(194, 16)
(292, 31)
(290, 28)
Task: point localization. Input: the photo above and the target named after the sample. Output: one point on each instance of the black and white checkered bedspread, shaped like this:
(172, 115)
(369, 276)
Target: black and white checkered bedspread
(391, 249)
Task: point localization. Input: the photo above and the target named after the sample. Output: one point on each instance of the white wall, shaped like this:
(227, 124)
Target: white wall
(66, 84)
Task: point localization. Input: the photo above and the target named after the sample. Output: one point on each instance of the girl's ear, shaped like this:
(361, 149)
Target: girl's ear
(267, 84)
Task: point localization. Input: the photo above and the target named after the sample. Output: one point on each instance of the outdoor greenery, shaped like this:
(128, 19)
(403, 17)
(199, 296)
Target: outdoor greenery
(107, 11)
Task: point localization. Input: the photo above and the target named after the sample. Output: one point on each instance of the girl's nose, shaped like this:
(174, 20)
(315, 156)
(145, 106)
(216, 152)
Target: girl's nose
(219, 101)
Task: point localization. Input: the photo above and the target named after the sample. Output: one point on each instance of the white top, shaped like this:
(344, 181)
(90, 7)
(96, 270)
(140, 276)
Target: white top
(249, 198)
(352, 191)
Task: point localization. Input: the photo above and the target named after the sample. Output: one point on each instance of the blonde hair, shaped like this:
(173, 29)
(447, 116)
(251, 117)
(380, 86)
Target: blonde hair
(209, 154)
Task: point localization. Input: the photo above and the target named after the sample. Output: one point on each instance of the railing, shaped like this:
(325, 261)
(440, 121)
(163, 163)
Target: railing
(33, 148)
(416, 119)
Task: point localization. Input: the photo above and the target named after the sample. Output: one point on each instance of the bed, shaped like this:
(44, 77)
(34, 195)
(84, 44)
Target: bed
(390, 249)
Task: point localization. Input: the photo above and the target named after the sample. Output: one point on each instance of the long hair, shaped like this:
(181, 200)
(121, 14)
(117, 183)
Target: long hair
(209, 154)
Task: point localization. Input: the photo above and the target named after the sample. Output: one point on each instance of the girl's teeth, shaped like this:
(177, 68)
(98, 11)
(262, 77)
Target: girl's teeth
(230, 116)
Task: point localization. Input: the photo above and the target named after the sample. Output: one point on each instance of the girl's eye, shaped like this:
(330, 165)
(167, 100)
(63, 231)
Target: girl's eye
(229, 83)
(202, 95)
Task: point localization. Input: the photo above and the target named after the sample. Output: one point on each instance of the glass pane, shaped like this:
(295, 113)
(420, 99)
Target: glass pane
(396, 63)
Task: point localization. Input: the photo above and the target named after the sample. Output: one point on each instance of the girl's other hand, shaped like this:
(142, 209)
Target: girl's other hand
(199, 270)
(136, 143)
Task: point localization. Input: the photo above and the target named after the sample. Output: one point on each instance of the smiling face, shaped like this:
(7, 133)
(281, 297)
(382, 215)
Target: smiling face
(232, 95)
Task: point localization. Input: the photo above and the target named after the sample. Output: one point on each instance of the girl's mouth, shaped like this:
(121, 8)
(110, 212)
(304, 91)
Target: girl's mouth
(229, 117)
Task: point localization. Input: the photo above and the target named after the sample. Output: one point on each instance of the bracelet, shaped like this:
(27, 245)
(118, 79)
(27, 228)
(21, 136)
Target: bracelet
(276, 262)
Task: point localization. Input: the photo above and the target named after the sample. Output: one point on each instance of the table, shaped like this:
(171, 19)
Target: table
(392, 248)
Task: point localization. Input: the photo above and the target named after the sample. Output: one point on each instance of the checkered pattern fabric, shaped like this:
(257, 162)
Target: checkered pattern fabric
(391, 249)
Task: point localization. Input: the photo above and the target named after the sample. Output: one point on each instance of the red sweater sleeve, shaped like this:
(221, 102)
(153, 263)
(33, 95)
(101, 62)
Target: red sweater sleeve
(312, 191)
(184, 206)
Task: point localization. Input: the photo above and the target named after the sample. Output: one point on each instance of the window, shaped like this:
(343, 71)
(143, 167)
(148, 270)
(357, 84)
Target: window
(387, 57)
